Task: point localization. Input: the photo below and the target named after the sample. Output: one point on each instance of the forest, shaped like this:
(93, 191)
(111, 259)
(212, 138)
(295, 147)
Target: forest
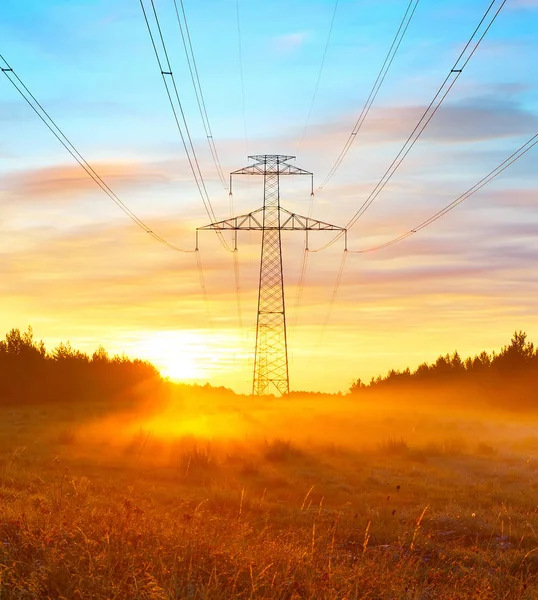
(30, 374)
(508, 378)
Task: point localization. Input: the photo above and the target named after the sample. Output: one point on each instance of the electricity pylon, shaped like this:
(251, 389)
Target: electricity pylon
(271, 353)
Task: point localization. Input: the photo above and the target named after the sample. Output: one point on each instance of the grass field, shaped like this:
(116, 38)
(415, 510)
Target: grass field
(209, 496)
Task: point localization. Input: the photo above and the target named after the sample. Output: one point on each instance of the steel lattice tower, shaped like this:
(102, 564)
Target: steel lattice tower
(271, 353)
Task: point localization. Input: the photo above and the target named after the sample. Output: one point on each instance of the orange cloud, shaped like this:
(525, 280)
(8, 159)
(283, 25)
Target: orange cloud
(66, 182)
(478, 117)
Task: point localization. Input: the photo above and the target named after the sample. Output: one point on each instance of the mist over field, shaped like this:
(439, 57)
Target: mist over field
(163, 490)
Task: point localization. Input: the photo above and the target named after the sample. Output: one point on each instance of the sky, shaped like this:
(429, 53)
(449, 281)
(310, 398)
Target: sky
(75, 267)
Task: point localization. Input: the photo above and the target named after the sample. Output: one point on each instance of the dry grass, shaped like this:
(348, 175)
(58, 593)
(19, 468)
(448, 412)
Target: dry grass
(413, 506)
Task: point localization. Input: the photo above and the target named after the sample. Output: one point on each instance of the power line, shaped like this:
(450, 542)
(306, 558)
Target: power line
(334, 292)
(319, 77)
(300, 285)
(403, 153)
(203, 286)
(240, 48)
(193, 69)
(195, 78)
(402, 29)
(304, 261)
(522, 150)
(426, 117)
(193, 160)
(68, 145)
(238, 288)
(169, 72)
(332, 301)
(237, 277)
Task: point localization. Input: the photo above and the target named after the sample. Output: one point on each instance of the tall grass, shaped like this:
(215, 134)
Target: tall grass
(269, 516)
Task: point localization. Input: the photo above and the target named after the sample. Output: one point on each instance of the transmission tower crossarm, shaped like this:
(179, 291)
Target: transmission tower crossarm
(282, 169)
(272, 164)
(292, 221)
(249, 222)
(253, 221)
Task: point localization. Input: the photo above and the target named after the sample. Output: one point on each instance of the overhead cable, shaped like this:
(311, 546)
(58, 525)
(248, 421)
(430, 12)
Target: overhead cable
(195, 78)
(186, 139)
(332, 301)
(477, 186)
(238, 288)
(426, 117)
(203, 286)
(521, 151)
(300, 285)
(335, 291)
(34, 104)
(320, 72)
(402, 29)
(240, 49)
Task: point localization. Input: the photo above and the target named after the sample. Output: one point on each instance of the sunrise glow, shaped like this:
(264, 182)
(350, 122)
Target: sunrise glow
(77, 268)
(268, 299)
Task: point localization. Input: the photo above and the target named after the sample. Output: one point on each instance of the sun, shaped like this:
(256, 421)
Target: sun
(179, 355)
(182, 367)
(195, 356)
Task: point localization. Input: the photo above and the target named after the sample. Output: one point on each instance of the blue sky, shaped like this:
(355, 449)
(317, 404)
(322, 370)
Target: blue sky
(76, 268)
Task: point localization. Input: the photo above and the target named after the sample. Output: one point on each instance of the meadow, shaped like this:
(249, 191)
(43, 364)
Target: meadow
(208, 495)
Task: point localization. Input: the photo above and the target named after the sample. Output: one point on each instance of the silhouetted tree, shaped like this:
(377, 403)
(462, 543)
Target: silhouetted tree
(517, 363)
(29, 374)
(518, 355)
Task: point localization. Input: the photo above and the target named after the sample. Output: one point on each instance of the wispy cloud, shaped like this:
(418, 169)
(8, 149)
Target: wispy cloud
(65, 182)
(523, 4)
(289, 42)
(473, 119)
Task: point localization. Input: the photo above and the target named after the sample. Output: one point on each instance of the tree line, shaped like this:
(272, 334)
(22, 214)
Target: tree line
(31, 374)
(516, 363)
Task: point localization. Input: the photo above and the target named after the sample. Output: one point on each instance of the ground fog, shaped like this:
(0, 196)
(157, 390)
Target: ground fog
(199, 493)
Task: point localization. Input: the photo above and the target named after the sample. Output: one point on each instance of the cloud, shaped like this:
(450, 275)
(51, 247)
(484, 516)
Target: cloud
(474, 119)
(65, 182)
(523, 4)
(471, 120)
(111, 281)
(84, 275)
(467, 262)
(289, 42)
(513, 198)
(100, 268)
